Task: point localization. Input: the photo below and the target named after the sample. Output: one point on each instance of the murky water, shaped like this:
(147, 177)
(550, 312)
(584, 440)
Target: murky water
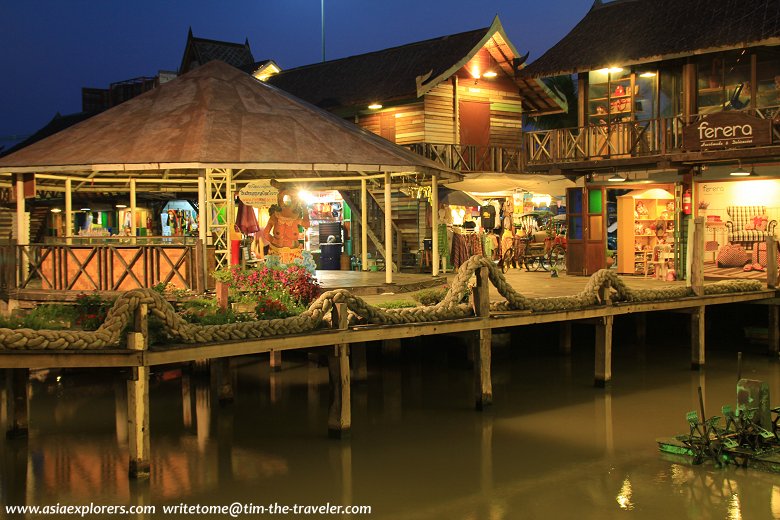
(552, 445)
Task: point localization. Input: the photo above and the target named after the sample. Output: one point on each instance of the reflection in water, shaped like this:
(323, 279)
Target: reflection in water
(552, 446)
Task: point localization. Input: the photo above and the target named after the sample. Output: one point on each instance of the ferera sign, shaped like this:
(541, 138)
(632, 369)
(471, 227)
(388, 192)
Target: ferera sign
(727, 130)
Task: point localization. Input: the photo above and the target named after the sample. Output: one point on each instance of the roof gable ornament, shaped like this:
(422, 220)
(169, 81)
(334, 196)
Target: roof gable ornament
(419, 80)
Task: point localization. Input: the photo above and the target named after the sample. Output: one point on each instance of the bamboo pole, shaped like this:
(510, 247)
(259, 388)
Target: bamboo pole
(388, 230)
(435, 224)
(363, 225)
(340, 411)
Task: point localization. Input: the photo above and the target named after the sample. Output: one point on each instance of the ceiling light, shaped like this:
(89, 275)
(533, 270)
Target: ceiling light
(374, 106)
(85, 209)
(490, 74)
(56, 210)
(615, 69)
(616, 178)
(120, 206)
(647, 75)
(740, 171)
(475, 72)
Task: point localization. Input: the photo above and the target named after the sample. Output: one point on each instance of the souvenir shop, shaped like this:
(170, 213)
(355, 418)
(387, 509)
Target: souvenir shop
(328, 237)
(178, 218)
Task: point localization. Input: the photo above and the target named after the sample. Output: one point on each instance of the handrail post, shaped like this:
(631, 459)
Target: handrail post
(138, 398)
(483, 384)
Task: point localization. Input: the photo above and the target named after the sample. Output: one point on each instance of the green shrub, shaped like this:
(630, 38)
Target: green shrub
(91, 310)
(431, 296)
(396, 304)
(50, 316)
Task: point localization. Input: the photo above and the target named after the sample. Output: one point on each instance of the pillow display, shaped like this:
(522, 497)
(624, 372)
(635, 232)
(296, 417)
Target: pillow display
(732, 255)
(760, 222)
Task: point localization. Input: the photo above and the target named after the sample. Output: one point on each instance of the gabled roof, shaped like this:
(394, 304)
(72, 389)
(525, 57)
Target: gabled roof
(409, 71)
(217, 116)
(628, 32)
(202, 51)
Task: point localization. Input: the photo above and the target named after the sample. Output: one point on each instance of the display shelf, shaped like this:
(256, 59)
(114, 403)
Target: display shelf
(637, 212)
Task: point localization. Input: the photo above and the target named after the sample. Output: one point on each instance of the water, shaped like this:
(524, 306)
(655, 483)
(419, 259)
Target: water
(552, 445)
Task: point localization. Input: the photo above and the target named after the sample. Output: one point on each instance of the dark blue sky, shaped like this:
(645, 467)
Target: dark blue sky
(49, 49)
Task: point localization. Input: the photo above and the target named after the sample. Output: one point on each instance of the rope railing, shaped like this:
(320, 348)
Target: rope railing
(317, 316)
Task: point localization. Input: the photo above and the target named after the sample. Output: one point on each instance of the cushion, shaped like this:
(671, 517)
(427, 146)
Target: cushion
(759, 254)
(732, 255)
(760, 222)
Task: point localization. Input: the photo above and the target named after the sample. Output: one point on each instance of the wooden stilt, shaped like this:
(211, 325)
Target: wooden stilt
(564, 337)
(359, 366)
(224, 381)
(483, 385)
(604, 351)
(187, 401)
(276, 360)
(17, 405)
(697, 258)
(697, 338)
(641, 328)
(771, 262)
(391, 349)
(774, 329)
(340, 412)
(138, 401)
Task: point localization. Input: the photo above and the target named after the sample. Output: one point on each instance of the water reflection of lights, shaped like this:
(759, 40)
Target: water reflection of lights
(735, 511)
(624, 497)
(775, 502)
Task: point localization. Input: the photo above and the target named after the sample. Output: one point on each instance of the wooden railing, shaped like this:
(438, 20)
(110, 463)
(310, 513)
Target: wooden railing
(376, 225)
(106, 267)
(470, 158)
(617, 140)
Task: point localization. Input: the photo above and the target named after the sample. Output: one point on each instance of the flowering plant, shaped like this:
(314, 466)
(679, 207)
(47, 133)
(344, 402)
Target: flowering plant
(704, 204)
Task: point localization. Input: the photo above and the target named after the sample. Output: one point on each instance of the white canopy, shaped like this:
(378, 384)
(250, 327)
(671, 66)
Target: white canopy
(498, 184)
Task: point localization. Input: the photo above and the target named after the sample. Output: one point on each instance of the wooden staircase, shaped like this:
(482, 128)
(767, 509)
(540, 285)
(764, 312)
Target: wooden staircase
(39, 216)
(408, 224)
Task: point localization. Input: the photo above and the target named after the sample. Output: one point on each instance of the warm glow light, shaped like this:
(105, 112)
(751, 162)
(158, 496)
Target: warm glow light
(624, 497)
(85, 209)
(120, 206)
(541, 200)
(56, 210)
(758, 193)
(473, 89)
(475, 72)
(374, 106)
(306, 196)
(602, 71)
(490, 74)
(616, 178)
(647, 75)
(615, 69)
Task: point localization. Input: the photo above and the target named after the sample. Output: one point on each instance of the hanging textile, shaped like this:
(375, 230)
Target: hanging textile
(246, 219)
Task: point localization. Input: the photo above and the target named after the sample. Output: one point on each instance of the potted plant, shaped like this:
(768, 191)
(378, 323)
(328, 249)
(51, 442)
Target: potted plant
(703, 205)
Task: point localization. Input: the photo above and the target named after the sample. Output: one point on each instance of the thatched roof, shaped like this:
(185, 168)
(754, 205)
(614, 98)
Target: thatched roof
(216, 116)
(627, 32)
(57, 124)
(407, 72)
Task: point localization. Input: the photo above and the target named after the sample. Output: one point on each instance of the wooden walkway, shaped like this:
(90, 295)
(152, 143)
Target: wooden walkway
(347, 353)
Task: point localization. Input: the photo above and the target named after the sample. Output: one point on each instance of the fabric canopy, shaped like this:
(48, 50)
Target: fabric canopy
(497, 184)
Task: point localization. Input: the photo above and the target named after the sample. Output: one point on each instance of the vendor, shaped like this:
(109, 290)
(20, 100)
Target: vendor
(282, 227)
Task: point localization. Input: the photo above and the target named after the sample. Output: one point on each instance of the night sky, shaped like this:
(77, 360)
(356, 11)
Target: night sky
(49, 49)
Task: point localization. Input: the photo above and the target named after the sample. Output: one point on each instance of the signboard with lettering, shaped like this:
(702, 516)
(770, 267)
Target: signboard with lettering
(258, 194)
(727, 130)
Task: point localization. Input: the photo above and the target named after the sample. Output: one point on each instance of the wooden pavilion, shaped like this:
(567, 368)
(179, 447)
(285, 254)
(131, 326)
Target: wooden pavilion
(205, 132)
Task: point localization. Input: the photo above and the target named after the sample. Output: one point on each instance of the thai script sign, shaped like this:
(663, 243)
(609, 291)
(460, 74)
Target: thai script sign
(258, 194)
(727, 130)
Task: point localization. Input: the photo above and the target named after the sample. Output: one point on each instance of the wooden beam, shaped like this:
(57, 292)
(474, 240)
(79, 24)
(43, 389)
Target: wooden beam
(389, 231)
(340, 411)
(697, 261)
(435, 225)
(771, 262)
(604, 351)
(275, 360)
(483, 384)
(697, 338)
(363, 225)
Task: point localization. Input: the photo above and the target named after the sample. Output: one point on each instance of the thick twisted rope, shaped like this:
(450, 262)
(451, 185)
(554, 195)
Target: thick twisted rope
(317, 315)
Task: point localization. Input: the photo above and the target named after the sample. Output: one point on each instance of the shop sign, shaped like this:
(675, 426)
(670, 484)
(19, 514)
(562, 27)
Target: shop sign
(727, 130)
(258, 194)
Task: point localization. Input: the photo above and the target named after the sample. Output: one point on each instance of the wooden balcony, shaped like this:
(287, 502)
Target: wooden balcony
(471, 158)
(651, 138)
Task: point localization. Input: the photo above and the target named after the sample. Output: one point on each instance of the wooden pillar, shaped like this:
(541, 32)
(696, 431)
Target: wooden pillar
(22, 232)
(17, 404)
(359, 365)
(771, 262)
(604, 351)
(697, 261)
(697, 338)
(276, 360)
(388, 230)
(435, 224)
(340, 412)
(774, 329)
(138, 400)
(224, 381)
(133, 225)
(564, 337)
(68, 210)
(363, 225)
(203, 223)
(483, 385)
